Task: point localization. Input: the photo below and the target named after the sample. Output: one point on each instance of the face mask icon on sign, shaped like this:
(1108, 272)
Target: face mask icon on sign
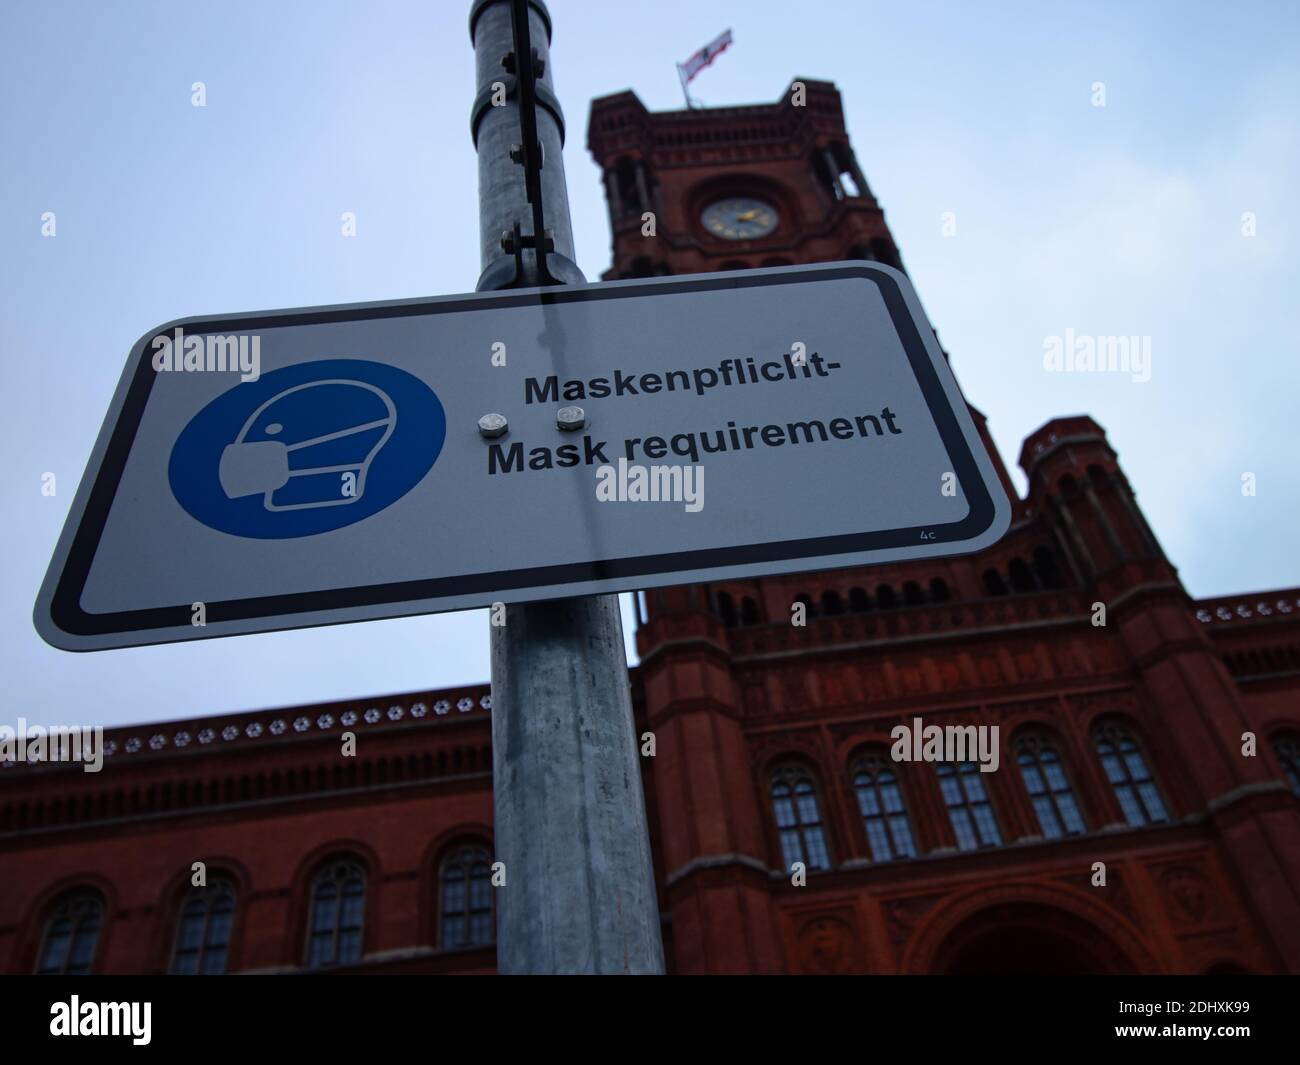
(309, 446)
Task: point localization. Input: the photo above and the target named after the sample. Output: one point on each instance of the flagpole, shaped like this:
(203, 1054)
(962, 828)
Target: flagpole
(681, 76)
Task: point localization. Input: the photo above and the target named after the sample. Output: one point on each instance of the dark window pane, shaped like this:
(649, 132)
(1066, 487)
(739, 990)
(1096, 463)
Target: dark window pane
(451, 931)
(1129, 804)
(481, 895)
(218, 930)
(1056, 779)
(989, 834)
(798, 821)
(1136, 767)
(349, 946)
(71, 934)
(56, 952)
(969, 812)
(1142, 805)
(963, 830)
(352, 910)
(903, 837)
(203, 932)
(974, 788)
(338, 915)
(1155, 808)
(191, 934)
(881, 850)
(867, 803)
(818, 856)
(808, 809)
(1049, 788)
(1047, 818)
(884, 814)
(1070, 813)
(466, 899)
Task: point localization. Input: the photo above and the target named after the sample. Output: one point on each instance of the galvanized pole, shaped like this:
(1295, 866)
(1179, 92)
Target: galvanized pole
(570, 822)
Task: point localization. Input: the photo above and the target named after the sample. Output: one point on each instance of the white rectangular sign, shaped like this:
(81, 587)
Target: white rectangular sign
(320, 465)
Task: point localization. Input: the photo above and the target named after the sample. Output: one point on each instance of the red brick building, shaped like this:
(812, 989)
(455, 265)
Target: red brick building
(1120, 743)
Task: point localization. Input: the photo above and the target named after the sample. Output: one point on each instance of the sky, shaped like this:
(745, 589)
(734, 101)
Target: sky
(1023, 209)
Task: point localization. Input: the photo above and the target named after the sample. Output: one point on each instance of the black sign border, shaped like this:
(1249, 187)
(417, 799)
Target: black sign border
(65, 605)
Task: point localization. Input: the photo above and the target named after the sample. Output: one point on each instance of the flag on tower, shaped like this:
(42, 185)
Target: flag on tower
(705, 56)
(701, 59)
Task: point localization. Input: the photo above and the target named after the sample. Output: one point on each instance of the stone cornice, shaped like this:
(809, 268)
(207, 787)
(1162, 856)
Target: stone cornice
(265, 728)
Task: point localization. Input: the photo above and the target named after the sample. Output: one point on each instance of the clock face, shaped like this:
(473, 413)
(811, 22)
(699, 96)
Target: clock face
(739, 218)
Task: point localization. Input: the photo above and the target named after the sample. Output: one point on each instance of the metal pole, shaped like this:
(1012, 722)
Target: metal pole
(570, 820)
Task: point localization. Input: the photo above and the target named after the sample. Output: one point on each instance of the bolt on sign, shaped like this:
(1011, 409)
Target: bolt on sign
(331, 464)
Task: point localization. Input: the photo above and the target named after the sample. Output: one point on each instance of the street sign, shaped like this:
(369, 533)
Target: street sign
(320, 465)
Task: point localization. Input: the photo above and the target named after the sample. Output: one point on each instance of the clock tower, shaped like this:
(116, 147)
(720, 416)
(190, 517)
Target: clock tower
(734, 187)
(695, 191)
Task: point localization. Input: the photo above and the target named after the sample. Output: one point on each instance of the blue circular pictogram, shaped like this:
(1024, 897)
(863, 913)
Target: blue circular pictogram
(307, 449)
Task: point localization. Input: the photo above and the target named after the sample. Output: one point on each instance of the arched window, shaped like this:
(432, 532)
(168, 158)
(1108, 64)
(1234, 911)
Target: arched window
(465, 899)
(969, 808)
(885, 597)
(939, 590)
(858, 601)
(884, 814)
(835, 176)
(338, 904)
(993, 582)
(1127, 771)
(727, 610)
(1021, 579)
(71, 934)
(1048, 572)
(629, 194)
(203, 929)
(1049, 788)
(749, 612)
(810, 611)
(798, 818)
(831, 603)
(1287, 749)
(912, 594)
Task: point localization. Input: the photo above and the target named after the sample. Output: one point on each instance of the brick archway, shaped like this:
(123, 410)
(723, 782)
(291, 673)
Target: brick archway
(1031, 928)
